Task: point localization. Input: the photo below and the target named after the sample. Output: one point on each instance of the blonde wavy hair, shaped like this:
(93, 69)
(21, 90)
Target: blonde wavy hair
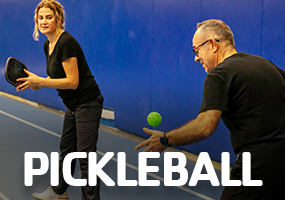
(59, 13)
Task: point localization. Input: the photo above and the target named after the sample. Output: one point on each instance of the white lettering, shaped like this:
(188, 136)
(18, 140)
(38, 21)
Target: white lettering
(67, 169)
(180, 168)
(29, 171)
(226, 171)
(246, 171)
(95, 169)
(204, 160)
(122, 171)
(143, 169)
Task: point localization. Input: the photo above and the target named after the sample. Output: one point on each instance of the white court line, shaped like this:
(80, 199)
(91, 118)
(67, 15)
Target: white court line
(2, 196)
(101, 153)
(30, 124)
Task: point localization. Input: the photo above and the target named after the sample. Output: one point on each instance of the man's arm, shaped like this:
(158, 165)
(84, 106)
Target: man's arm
(198, 129)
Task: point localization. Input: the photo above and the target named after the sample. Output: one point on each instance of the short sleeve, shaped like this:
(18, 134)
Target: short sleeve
(282, 72)
(215, 92)
(68, 49)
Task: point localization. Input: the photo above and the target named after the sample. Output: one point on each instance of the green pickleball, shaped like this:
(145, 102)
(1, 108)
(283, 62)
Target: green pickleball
(154, 118)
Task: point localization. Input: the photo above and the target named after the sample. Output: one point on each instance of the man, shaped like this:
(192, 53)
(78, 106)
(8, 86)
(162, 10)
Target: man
(248, 93)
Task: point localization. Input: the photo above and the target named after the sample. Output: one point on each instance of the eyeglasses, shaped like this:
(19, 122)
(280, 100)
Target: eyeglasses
(195, 50)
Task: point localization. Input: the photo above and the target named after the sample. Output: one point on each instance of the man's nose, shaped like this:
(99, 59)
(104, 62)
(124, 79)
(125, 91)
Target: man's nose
(197, 59)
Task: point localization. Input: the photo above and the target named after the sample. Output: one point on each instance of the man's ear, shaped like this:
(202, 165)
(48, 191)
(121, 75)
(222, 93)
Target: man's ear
(214, 45)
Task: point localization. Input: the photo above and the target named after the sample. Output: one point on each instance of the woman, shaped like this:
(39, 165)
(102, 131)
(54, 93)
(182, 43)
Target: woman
(69, 73)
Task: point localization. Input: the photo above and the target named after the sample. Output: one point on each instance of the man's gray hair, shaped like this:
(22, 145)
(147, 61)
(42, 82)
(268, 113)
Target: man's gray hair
(217, 28)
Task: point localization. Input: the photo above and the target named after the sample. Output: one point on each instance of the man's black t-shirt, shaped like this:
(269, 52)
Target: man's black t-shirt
(67, 47)
(250, 92)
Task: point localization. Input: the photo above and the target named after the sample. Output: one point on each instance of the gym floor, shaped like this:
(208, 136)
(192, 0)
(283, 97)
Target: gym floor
(28, 127)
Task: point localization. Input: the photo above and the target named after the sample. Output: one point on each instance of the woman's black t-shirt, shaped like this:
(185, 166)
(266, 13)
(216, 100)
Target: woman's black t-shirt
(67, 47)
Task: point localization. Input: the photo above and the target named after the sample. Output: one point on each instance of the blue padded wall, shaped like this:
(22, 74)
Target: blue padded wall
(176, 79)
(140, 54)
(244, 18)
(132, 47)
(273, 32)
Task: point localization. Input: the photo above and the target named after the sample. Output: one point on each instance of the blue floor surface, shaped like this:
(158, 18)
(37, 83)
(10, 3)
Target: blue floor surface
(25, 128)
